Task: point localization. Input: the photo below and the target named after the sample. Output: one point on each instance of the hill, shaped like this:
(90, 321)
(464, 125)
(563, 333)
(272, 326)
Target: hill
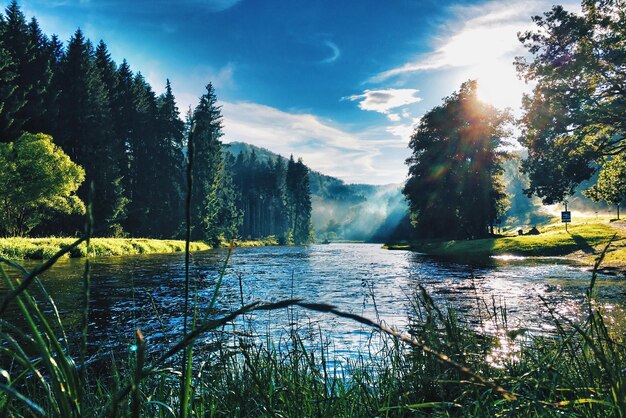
(341, 211)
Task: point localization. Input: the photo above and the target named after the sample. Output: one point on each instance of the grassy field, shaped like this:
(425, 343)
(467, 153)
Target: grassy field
(43, 248)
(583, 241)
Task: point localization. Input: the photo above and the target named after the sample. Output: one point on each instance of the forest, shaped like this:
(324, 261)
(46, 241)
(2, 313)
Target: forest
(463, 315)
(124, 151)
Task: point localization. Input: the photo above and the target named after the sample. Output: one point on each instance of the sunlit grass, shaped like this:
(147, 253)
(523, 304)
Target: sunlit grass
(582, 240)
(42, 248)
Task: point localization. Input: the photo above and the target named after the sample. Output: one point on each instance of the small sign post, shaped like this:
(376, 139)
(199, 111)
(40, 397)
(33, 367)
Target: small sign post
(566, 216)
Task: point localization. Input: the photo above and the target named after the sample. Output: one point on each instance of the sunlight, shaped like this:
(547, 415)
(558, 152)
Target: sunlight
(486, 54)
(498, 84)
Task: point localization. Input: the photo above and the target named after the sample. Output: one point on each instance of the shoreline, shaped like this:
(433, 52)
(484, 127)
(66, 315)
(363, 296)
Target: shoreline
(17, 248)
(582, 242)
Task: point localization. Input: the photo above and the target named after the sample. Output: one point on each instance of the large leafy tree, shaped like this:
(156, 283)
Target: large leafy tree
(575, 115)
(611, 184)
(37, 179)
(455, 185)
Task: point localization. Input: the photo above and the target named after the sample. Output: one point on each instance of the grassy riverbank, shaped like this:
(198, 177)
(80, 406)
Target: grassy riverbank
(582, 241)
(43, 248)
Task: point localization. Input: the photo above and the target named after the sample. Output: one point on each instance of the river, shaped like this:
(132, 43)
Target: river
(146, 292)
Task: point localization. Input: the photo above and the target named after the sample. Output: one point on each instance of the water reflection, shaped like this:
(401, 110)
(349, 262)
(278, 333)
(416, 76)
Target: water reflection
(146, 292)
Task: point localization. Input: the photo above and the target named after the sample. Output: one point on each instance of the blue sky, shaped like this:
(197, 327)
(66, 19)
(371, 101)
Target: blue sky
(340, 83)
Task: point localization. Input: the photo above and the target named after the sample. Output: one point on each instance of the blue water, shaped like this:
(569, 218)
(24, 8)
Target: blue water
(146, 292)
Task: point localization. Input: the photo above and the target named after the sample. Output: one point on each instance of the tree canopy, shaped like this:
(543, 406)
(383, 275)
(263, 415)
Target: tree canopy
(37, 179)
(611, 184)
(576, 114)
(455, 185)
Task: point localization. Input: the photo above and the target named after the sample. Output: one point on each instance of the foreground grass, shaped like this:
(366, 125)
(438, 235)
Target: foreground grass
(583, 241)
(442, 367)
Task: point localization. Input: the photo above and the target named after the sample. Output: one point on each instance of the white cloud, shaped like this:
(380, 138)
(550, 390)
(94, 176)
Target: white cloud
(404, 130)
(335, 53)
(383, 101)
(480, 42)
(367, 157)
(486, 32)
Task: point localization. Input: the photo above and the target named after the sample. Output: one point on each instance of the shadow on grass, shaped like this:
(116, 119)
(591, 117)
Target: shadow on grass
(582, 244)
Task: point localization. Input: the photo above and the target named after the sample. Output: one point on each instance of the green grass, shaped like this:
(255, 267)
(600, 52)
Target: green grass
(43, 248)
(582, 240)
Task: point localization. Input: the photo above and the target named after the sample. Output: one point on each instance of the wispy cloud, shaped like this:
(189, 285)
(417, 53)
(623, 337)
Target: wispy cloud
(218, 5)
(477, 33)
(383, 101)
(479, 42)
(322, 145)
(335, 53)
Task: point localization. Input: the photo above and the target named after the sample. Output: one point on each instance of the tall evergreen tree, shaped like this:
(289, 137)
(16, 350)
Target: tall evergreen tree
(299, 201)
(15, 51)
(116, 201)
(208, 166)
(169, 194)
(84, 129)
(143, 148)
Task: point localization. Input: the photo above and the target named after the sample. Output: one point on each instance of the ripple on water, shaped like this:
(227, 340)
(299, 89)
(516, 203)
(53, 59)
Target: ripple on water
(146, 292)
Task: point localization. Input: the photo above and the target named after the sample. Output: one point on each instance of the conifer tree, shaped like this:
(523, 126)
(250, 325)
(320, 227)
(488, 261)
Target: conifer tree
(84, 127)
(15, 49)
(143, 147)
(299, 201)
(117, 203)
(169, 193)
(208, 166)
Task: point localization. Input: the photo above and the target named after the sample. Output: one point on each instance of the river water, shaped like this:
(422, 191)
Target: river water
(146, 292)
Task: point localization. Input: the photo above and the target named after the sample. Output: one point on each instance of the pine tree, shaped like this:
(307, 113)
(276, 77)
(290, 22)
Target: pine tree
(116, 201)
(84, 129)
(208, 166)
(169, 195)
(15, 48)
(299, 201)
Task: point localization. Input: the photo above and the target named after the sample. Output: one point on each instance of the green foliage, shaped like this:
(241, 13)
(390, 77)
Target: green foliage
(261, 194)
(611, 184)
(298, 199)
(574, 117)
(455, 184)
(214, 215)
(36, 180)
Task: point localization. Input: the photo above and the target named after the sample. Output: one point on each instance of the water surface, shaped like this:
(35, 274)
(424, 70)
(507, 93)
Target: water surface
(147, 292)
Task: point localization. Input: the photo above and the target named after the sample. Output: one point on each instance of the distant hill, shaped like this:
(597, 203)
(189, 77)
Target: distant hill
(341, 211)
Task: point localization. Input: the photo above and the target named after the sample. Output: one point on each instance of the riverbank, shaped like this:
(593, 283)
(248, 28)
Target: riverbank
(43, 248)
(582, 242)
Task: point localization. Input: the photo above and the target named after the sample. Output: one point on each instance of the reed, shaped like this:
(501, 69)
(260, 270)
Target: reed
(440, 366)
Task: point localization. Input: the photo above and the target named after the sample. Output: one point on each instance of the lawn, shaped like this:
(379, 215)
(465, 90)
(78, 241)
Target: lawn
(583, 241)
